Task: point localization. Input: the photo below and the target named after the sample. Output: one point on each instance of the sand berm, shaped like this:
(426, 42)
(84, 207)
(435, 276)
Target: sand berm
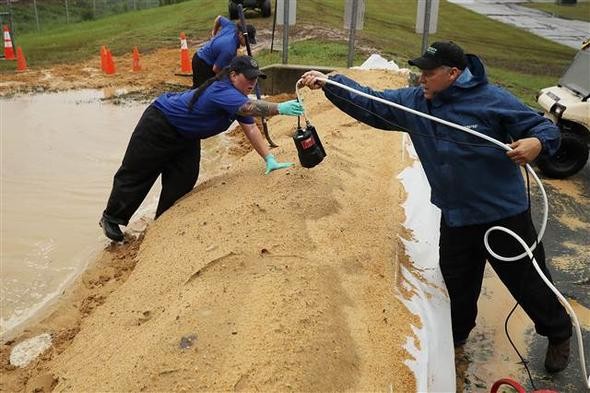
(284, 282)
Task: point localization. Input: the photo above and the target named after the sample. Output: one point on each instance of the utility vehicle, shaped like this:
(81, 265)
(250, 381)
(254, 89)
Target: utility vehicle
(262, 6)
(568, 107)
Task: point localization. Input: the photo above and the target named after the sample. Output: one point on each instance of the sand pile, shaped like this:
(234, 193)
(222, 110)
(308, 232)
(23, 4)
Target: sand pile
(252, 282)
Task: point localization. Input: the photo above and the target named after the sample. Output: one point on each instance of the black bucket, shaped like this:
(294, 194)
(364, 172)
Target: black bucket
(309, 147)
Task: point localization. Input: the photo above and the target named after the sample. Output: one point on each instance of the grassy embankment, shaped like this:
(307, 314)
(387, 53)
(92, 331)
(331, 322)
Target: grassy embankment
(53, 12)
(579, 11)
(516, 59)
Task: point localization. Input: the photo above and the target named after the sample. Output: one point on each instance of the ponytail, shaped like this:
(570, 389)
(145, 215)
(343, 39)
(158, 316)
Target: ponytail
(201, 89)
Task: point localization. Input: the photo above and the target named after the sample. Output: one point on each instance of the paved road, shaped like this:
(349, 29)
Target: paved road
(567, 246)
(572, 278)
(563, 31)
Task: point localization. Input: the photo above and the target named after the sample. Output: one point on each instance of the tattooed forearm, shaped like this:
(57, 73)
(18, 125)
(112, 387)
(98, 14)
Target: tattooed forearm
(258, 108)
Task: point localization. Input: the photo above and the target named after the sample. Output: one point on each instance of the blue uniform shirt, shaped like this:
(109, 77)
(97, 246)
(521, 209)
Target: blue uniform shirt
(221, 49)
(212, 114)
(472, 181)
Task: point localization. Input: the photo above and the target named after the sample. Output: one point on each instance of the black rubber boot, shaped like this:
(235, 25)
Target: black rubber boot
(111, 230)
(557, 356)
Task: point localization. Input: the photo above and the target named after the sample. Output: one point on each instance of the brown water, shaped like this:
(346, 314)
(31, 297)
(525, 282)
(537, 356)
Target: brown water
(58, 156)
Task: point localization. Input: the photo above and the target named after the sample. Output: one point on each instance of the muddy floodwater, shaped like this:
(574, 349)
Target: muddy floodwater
(58, 156)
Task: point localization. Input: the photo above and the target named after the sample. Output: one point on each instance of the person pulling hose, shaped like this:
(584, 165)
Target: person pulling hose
(477, 186)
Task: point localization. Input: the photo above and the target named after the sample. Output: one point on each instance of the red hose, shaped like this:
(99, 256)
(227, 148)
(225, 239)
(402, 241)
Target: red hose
(509, 382)
(512, 383)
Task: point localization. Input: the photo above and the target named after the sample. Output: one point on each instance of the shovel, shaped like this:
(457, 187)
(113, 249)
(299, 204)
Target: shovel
(245, 33)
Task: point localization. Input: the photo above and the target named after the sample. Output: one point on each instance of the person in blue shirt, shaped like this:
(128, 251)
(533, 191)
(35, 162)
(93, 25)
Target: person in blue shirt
(167, 140)
(218, 52)
(475, 184)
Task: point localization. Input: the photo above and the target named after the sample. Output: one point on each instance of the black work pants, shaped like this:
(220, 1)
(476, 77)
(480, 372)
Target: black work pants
(156, 148)
(462, 261)
(201, 71)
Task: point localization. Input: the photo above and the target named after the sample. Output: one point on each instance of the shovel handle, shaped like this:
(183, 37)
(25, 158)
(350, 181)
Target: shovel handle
(257, 89)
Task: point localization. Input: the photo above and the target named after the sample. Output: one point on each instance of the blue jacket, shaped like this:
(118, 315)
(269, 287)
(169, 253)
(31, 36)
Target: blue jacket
(472, 180)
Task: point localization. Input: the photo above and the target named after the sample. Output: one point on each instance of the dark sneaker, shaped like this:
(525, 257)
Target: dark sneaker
(557, 356)
(111, 230)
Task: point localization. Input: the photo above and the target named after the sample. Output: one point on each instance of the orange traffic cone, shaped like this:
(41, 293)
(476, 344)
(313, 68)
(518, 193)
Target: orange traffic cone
(136, 67)
(8, 49)
(103, 58)
(21, 63)
(185, 63)
(110, 63)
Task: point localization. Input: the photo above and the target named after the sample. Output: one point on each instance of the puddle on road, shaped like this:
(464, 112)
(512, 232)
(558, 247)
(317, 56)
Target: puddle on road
(59, 153)
(488, 355)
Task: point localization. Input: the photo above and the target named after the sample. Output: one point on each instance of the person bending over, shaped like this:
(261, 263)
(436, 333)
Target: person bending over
(167, 140)
(217, 53)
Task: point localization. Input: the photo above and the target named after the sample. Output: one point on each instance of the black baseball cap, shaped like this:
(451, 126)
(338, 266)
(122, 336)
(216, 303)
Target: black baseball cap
(441, 53)
(251, 30)
(248, 66)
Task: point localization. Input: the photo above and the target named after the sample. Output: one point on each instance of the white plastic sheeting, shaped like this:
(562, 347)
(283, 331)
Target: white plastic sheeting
(24, 352)
(378, 62)
(433, 362)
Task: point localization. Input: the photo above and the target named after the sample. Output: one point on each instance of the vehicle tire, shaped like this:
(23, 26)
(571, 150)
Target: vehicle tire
(233, 10)
(571, 156)
(266, 10)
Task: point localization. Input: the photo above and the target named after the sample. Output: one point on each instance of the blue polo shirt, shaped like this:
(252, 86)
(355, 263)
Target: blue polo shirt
(212, 114)
(221, 49)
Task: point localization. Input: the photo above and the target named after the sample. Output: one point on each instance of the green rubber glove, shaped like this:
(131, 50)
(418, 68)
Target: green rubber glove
(273, 165)
(290, 108)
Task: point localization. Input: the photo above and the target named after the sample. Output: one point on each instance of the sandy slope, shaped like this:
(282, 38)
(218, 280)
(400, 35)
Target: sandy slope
(280, 282)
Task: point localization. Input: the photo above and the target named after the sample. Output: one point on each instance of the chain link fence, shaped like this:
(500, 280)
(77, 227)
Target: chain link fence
(25, 16)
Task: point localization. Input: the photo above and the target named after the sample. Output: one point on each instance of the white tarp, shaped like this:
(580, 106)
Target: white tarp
(434, 354)
(25, 351)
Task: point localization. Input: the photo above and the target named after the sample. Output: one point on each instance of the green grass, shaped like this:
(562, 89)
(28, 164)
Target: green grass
(147, 29)
(313, 52)
(579, 11)
(517, 59)
(53, 12)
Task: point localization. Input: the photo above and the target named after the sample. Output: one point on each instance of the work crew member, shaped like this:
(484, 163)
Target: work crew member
(475, 184)
(216, 54)
(167, 140)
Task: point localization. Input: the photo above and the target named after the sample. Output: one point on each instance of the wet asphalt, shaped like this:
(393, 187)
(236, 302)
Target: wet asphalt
(573, 283)
(563, 31)
(567, 252)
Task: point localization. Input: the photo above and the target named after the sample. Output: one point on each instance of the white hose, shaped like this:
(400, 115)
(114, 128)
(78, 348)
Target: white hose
(465, 129)
(528, 249)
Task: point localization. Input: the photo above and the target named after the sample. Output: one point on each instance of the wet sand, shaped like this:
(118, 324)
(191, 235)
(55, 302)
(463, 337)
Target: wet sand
(251, 282)
(343, 272)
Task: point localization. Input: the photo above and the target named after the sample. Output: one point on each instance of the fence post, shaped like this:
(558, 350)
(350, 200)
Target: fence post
(36, 14)
(286, 5)
(351, 33)
(426, 29)
(67, 12)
